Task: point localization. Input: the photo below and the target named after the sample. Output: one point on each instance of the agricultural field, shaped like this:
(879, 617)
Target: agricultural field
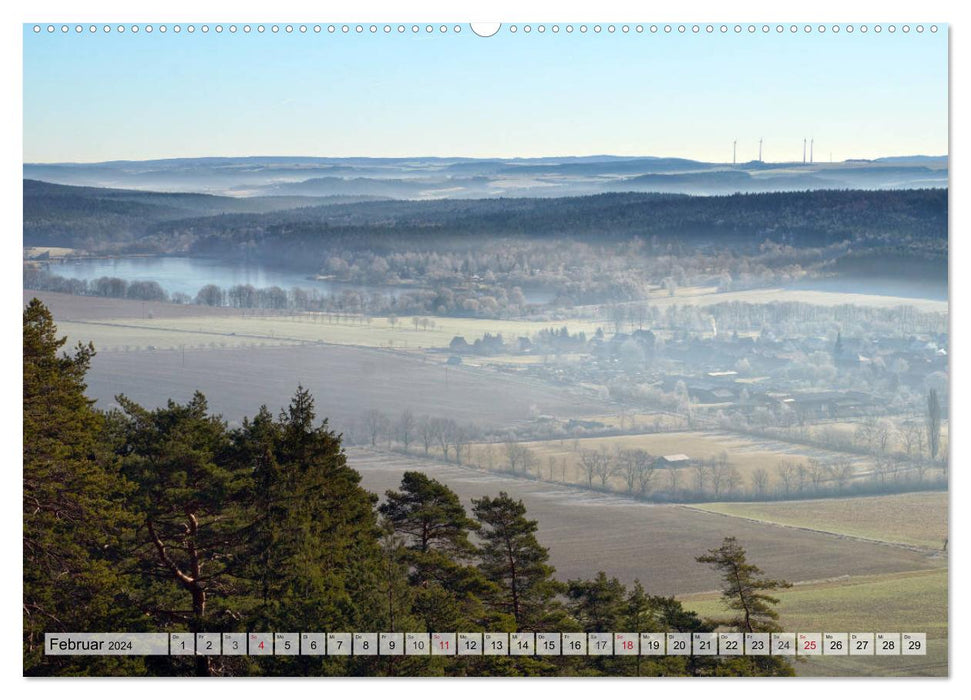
(913, 601)
(743, 453)
(164, 325)
(589, 531)
(123, 335)
(346, 382)
(114, 324)
(704, 296)
(915, 519)
(841, 584)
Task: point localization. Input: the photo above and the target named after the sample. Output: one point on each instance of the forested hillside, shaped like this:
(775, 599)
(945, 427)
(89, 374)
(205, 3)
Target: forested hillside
(99, 219)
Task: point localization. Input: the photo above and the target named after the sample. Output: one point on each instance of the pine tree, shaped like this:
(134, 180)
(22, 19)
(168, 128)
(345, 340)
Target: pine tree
(74, 520)
(743, 590)
(746, 593)
(430, 515)
(598, 605)
(639, 612)
(639, 617)
(513, 559)
(435, 528)
(314, 559)
(190, 499)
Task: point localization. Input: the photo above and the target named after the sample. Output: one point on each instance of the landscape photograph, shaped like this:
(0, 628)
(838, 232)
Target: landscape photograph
(486, 351)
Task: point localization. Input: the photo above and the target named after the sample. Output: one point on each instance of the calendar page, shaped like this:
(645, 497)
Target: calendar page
(609, 348)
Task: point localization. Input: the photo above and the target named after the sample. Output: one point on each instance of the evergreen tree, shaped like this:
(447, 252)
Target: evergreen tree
(74, 519)
(639, 612)
(314, 558)
(435, 528)
(746, 593)
(398, 598)
(190, 499)
(599, 604)
(513, 559)
(639, 617)
(430, 515)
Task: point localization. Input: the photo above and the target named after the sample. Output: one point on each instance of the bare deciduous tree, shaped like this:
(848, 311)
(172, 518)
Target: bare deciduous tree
(515, 455)
(787, 475)
(626, 465)
(442, 430)
(840, 471)
(920, 467)
(426, 431)
(646, 466)
(802, 477)
(605, 467)
(760, 481)
(460, 437)
(913, 437)
(733, 479)
(489, 456)
(529, 460)
(376, 425)
(817, 473)
(405, 428)
(886, 434)
(701, 477)
(674, 480)
(595, 463)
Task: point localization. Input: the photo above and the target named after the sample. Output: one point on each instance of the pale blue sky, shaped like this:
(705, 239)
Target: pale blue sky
(104, 97)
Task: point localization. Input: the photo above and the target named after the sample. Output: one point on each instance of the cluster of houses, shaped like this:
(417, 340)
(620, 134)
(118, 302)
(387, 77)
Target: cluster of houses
(724, 387)
(744, 373)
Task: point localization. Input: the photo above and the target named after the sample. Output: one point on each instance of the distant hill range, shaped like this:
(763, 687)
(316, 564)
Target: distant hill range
(471, 178)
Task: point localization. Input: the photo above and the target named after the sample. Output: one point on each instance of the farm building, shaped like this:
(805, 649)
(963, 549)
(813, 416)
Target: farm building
(674, 461)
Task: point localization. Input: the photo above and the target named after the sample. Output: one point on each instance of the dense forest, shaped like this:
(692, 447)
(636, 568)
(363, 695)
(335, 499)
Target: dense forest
(170, 520)
(151, 222)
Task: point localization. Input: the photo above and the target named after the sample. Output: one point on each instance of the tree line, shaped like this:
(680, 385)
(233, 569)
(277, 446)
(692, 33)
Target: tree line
(642, 475)
(170, 520)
